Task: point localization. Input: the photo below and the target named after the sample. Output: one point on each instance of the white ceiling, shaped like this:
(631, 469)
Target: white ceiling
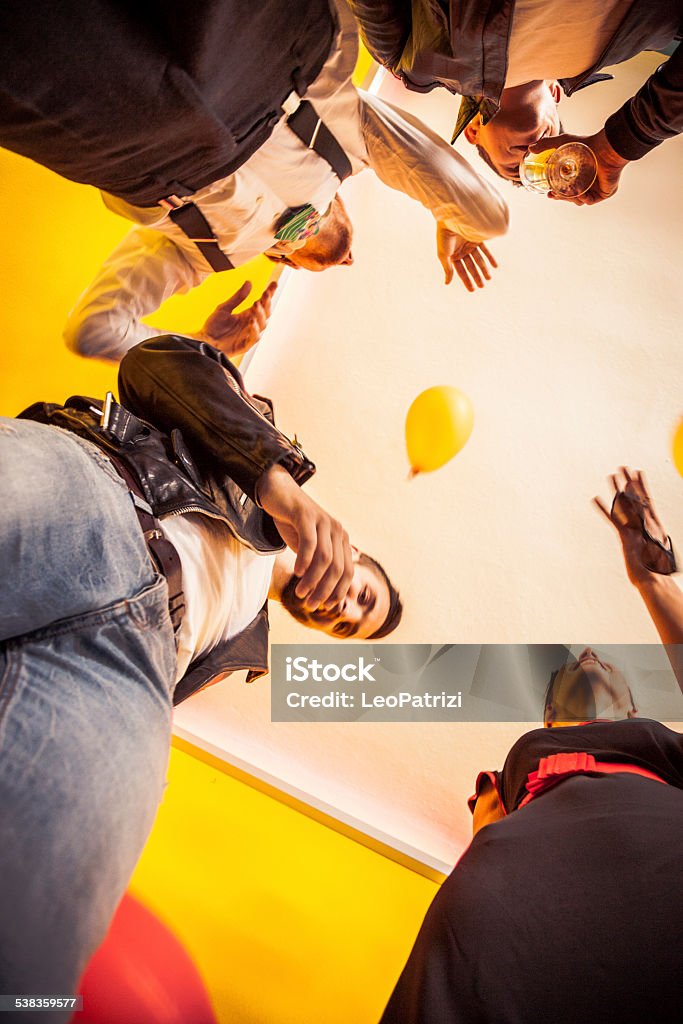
(571, 357)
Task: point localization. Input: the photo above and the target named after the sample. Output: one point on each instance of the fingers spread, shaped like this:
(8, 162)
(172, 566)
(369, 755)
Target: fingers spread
(489, 255)
(331, 582)
(342, 587)
(463, 275)
(642, 483)
(307, 542)
(473, 271)
(599, 503)
(318, 564)
(445, 262)
(268, 295)
(259, 317)
(265, 302)
(240, 295)
(481, 263)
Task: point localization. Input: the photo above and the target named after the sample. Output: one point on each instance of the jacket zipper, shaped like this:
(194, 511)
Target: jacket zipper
(212, 515)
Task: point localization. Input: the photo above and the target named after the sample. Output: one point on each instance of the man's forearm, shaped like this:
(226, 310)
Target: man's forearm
(664, 601)
(653, 115)
(143, 271)
(408, 156)
(175, 382)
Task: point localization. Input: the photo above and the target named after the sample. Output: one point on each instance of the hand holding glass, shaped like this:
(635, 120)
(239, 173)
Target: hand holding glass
(567, 171)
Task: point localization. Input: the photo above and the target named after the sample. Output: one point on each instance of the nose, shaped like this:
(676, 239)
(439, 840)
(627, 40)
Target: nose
(348, 260)
(335, 611)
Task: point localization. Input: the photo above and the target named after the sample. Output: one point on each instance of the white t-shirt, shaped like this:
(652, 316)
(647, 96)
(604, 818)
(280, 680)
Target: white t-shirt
(560, 38)
(225, 583)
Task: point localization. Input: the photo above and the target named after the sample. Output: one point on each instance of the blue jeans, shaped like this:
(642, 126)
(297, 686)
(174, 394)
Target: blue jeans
(87, 666)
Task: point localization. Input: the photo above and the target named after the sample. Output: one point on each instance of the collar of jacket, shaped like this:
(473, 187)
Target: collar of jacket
(248, 650)
(170, 479)
(470, 106)
(473, 58)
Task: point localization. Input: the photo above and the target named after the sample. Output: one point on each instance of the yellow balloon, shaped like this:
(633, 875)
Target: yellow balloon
(438, 425)
(678, 447)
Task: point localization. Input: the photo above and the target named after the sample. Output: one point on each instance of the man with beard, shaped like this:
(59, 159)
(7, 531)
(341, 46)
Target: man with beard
(141, 542)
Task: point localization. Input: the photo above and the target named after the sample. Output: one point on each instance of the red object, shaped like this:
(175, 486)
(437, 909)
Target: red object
(557, 767)
(493, 779)
(141, 974)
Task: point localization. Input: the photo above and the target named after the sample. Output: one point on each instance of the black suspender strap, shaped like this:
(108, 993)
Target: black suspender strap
(307, 126)
(192, 221)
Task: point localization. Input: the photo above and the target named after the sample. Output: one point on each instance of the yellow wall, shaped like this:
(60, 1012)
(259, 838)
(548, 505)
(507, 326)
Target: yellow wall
(288, 921)
(55, 236)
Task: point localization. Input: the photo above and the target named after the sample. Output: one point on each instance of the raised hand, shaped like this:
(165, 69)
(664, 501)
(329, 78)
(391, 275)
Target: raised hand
(645, 542)
(235, 333)
(610, 166)
(324, 559)
(467, 259)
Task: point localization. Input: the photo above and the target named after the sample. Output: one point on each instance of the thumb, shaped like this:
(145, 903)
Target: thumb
(240, 295)
(601, 507)
(550, 142)
(445, 262)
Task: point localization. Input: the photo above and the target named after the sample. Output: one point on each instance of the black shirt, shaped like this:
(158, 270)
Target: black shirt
(570, 909)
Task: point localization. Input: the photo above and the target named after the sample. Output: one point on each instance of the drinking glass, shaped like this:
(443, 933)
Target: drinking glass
(567, 171)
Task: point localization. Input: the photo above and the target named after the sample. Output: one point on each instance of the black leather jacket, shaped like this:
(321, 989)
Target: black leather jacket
(195, 441)
(463, 45)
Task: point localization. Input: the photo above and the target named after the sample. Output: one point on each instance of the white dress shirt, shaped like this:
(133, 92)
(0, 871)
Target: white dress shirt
(559, 38)
(157, 260)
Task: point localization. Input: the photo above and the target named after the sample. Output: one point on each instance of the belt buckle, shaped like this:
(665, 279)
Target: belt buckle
(105, 415)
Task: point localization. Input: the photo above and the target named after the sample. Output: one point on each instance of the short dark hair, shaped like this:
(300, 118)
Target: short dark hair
(489, 163)
(288, 600)
(393, 616)
(548, 699)
(395, 612)
(337, 246)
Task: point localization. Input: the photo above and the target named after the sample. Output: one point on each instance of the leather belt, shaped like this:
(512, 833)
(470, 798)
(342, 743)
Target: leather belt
(162, 552)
